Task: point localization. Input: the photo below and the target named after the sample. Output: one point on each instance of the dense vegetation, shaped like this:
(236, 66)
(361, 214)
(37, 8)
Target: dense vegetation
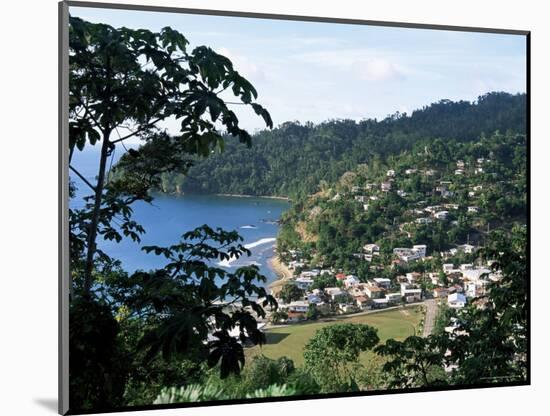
(296, 159)
(331, 226)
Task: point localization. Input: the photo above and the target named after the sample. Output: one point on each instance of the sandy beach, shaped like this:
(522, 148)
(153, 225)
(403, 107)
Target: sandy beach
(281, 270)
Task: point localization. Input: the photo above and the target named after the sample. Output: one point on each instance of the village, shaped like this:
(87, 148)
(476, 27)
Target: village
(328, 291)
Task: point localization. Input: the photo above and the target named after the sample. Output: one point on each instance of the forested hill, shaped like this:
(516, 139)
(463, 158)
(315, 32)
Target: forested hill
(293, 159)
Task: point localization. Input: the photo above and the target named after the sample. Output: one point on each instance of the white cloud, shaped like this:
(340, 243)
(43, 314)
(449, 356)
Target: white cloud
(376, 69)
(243, 65)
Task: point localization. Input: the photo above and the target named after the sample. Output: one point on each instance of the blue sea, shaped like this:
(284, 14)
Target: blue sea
(170, 216)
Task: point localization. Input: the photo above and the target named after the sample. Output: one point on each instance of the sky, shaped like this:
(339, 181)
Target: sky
(310, 71)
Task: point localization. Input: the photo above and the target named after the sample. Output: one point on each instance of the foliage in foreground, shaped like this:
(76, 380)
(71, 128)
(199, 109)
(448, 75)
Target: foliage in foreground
(331, 355)
(131, 330)
(206, 392)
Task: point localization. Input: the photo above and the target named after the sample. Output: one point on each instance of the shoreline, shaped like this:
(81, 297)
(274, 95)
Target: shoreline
(282, 198)
(281, 270)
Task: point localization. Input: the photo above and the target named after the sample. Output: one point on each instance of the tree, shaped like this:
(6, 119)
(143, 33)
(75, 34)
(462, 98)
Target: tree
(414, 362)
(278, 316)
(331, 355)
(132, 80)
(290, 292)
(491, 344)
(312, 312)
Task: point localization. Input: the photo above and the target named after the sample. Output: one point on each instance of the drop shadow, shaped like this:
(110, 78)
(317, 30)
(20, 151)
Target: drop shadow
(48, 404)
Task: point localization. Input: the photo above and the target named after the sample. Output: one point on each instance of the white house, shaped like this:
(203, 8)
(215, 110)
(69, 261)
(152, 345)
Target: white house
(410, 171)
(371, 248)
(467, 248)
(382, 282)
(471, 289)
(448, 268)
(456, 300)
(412, 295)
(441, 215)
(473, 209)
(393, 297)
(309, 274)
(409, 254)
(423, 220)
(335, 293)
(298, 306)
(475, 275)
(304, 283)
(351, 280)
(390, 173)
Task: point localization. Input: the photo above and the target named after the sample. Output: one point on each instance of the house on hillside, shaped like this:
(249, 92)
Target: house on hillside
(362, 302)
(456, 300)
(303, 283)
(298, 306)
(466, 248)
(393, 297)
(371, 248)
(412, 295)
(382, 282)
(351, 280)
(409, 254)
(374, 292)
(336, 294)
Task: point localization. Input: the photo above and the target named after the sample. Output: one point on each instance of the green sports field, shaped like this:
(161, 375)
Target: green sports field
(290, 340)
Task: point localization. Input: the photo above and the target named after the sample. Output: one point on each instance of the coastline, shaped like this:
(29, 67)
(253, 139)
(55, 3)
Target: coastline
(282, 198)
(281, 270)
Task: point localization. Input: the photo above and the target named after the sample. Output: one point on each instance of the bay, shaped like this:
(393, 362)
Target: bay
(170, 216)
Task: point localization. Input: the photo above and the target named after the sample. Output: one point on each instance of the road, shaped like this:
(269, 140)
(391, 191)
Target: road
(429, 319)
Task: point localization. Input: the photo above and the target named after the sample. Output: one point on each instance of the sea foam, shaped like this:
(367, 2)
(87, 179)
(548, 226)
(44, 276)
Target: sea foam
(261, 241)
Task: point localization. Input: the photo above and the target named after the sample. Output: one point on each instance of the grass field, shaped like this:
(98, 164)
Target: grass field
(289, 341)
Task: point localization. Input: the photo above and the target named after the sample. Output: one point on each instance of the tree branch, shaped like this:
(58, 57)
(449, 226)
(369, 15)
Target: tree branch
(137, 131)
(82, 177)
